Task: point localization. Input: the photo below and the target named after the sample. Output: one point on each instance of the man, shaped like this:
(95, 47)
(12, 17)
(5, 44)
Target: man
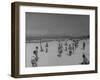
(59, 51)
(73, 46)
(66, 44)
(70, 50)
(83, 45)
(46, 47)
(35, 52)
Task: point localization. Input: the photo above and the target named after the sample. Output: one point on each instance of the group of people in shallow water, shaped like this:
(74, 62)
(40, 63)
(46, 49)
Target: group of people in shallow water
(68, 47)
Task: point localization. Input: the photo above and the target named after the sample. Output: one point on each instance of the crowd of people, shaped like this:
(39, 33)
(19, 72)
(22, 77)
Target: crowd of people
(69, 47)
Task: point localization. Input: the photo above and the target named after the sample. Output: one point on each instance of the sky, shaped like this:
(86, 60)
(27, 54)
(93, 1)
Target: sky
(43, 24)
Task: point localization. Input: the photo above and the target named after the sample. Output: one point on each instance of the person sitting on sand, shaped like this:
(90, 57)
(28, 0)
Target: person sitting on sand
(85, 60)
(34, 61)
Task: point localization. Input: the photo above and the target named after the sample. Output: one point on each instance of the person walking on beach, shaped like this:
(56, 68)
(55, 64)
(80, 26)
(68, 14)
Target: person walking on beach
(41, 48)
(83, 45)
(70, 50)
(35, 52)
(60, 50)
(73, 47)
(66, 45)
(46, 47)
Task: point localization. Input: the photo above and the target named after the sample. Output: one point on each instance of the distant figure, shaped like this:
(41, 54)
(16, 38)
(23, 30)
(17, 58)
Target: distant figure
(34, 62)
(41, 48)
(73, 49)
(70, 53)
(66, 45)
(61, 45)
(46, 47)
(73, 46)
(46, 44)
(83, 45)
(35, 52)
(85, 60)
(76, 44)
(59, 51)
(70, 50)
(46, 50)
(66, 48)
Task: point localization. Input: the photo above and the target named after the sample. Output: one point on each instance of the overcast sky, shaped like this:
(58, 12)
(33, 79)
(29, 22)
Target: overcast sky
(41, 24)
